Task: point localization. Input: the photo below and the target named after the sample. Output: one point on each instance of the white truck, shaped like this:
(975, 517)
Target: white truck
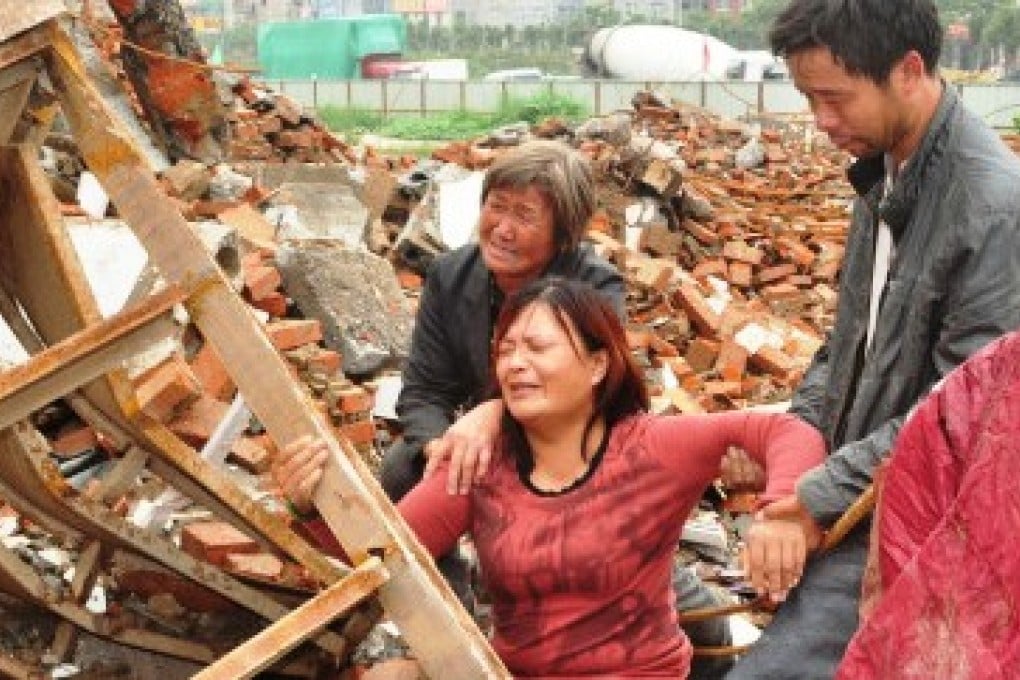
(661, 53)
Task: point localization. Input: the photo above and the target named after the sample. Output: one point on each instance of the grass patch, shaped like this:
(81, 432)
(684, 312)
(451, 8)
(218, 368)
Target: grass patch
(354, 123)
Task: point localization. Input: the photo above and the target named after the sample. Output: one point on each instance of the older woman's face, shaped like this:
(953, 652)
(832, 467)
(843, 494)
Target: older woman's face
(516, 233)
(544, 371)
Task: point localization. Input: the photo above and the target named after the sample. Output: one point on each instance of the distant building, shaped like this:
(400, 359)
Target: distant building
(673, 10)
(515, 13)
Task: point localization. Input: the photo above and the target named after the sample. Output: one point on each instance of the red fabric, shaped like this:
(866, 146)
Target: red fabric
(948, 521)
(581, 581)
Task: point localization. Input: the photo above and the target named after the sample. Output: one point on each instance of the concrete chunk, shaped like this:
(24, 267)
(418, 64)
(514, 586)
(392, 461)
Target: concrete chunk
(355, 295)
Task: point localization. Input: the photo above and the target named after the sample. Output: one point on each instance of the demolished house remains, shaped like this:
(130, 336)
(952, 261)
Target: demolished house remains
(264, 274)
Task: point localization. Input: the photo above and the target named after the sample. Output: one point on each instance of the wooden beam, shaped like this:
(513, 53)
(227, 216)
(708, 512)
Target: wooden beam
(64, 640)
(86, 571)
(15, 86)
(85, 356)
(125, 471)
(443, 636)
(23, 46)
(19, 670)
(261, 651)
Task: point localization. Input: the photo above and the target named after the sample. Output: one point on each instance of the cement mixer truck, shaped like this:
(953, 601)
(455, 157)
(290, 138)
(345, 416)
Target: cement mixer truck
(650, 52)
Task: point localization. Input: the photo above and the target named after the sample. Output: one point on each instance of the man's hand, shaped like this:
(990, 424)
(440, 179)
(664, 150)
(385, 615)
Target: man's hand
(778, 543)
(468, 443)
(297, 470)
(774, 557)
(792, 510)
(739, 472)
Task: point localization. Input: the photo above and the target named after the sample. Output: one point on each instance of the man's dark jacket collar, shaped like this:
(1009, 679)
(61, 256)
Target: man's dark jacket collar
(867, 174)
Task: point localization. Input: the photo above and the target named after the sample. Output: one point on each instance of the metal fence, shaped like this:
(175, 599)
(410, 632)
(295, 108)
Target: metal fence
(997, 104)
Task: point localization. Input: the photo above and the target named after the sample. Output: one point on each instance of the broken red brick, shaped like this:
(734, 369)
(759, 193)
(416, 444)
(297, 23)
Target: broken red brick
(274, 304)
(261, 566)
(212, 374)
(165, 387)
(702, 353)
(697, 310)
(74, 441)
(214, 541)
(290, 333)
(197, 423)
(261, 281)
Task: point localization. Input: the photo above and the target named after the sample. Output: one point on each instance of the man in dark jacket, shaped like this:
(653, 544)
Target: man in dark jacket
(931, 274)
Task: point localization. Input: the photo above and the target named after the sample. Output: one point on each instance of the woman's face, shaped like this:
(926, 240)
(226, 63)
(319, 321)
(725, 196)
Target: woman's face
(516, 232)
(544, 371)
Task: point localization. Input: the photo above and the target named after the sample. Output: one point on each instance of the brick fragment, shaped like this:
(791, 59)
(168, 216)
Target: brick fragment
(775, 274)
(196, 424)
(772, 361)
(714, 266)
(740, 274)
(742, 252)
(705, 320)
(261, 566)
(360, 432)
(353, 400)
(274, 304)
(290, 333)
(212, 374)
(73, 441)
(732, 361)
(702, 354)
(701, 233)
(250, 454)
(261, 281)
(165, 387)
(658, 240)
(654, 274)
(213, 541)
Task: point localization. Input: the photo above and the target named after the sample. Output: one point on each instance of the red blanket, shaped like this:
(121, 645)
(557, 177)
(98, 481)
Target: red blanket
(948, 528)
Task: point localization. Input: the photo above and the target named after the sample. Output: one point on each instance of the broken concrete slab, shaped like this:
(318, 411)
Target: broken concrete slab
(272, 175)
(355, 295)
(460, 199)
(330, 210)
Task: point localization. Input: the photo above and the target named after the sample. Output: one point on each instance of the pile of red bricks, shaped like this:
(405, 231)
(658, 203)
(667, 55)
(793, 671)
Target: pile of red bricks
(271, 127)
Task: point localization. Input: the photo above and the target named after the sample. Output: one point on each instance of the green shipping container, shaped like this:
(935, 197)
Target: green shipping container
(327, 48)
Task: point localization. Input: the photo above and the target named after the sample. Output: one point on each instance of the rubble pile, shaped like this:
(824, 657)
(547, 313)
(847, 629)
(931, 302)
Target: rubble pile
(729, 237)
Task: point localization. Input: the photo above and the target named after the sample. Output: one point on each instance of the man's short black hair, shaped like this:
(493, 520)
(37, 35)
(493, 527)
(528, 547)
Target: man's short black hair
(867, 37)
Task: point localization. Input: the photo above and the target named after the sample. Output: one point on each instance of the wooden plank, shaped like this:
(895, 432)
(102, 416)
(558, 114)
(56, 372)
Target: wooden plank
(23, 46)
(65, 638)
(20, 15)
(86, 571)
(261, 651)
(19, 670)
(443, 636)
(15, 85)
(84, 356)
(117, 481)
